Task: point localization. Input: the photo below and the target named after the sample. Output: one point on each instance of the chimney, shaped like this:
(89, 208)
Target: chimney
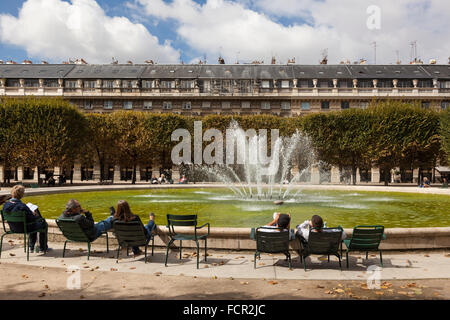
(221, 60)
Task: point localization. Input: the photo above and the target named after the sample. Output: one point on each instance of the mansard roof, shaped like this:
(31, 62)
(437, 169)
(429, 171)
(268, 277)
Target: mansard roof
(223, 71)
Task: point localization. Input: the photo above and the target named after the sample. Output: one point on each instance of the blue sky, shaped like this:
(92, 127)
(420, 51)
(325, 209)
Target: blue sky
(187, 30)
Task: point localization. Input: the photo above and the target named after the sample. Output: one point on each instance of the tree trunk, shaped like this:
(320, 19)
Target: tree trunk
(133, 179)
(387, 176)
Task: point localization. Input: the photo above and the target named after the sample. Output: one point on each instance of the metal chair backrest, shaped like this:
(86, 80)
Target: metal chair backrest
(326, 241)
(174, 220)
(130, 234)
(366, 237)
(17, 217)
(72, 230)
(272, 240)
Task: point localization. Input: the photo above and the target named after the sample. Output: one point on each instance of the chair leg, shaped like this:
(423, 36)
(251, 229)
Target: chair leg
(1, 244)
(167, 251)
(367, 255)
(328, 258)
(118, 252)
(28, 248)
(304, 263)
(206, 254)
(181, 247)
(128, 251)
(153, 244)
(64, 250)
(107, 243)
(24, 242)
(89, 250)
(346, 258)
(254, 260)
(381, 259)
(146, 246)
(289, 259)
(198, 253)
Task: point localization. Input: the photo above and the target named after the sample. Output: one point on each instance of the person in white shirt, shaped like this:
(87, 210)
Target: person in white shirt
(316, 224)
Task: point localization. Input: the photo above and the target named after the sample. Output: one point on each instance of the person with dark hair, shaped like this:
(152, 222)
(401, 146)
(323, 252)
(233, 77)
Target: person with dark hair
(124, 213)
(14, 204)
(313, 225)
(85, 221)
(280, 220)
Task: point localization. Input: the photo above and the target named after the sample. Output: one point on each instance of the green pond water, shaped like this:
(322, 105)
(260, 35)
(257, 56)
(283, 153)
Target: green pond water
(219, 207)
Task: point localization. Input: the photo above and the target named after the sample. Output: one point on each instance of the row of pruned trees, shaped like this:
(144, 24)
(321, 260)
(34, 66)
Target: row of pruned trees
(41, 132)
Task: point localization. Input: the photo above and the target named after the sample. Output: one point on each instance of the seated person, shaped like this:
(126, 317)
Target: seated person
(280, 220)
(426, 183)
(316, 222)
(51, 181)
(183, 179)
(444, 183)
(34, 217)
(85, 221)
(162, 179)
(154, 180)
(124, 213)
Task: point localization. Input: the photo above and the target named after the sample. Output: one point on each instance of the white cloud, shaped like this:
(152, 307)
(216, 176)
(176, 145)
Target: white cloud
(58, 30)
(248, 27)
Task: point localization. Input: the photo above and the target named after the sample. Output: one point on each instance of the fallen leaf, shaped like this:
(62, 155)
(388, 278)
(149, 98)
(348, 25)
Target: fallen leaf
(113, 269)
(132, 268)
(231, 278)
(273, 282)
(46, 286)
(214, 277)
(158, 273)
(426, 255)
(244, 282)
(206, 266)
(320, 287)
(11, 254)
(380, 293)
(42, 295)
(81, 297)
(339, 291)
(261, 264)
(410, 285)
(447, 255)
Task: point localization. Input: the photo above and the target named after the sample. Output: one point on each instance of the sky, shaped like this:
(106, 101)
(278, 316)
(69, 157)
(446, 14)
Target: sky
(241, 31)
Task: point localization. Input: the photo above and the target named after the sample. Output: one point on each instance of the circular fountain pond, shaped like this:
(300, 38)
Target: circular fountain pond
(222, 208)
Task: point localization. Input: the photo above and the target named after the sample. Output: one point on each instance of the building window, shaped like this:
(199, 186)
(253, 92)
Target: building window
(325, 105)
(31, 83)
(167, 84)
(425, 104)
(187, 84)
(226, 104)
(425, 83)
(71, 84)
(325, 84)
(385, 84)
(89, 84)
(186, 105)
(364, 104)
(345, 105)
(167, 105)
(365, 84)
(265, 105)
(345, 84)
(285, 105)
(148, 105)
(245, 104)
(12, 83)
(285, 84)
(126, 84)
(108, 104)
(88, 105)
(128, 105)
(206, 104)
(445, 105)
(404, 84)
(108, 84)
(205, 86)
(147, 84)
(305, 84)
(48, 83)
(444, 84)
(305, 105)
(265, 84)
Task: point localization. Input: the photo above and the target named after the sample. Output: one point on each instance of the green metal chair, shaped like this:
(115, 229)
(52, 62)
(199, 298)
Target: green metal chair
(326, 242)
(365, 238)
(18, 216)
(272, 241)
(185, 221)
(131, 234)
(73, 233)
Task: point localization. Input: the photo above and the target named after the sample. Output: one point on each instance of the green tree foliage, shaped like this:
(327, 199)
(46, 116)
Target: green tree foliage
(445, 132)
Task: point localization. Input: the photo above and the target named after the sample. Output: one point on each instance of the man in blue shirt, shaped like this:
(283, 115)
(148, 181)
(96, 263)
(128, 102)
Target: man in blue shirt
(34, 219)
